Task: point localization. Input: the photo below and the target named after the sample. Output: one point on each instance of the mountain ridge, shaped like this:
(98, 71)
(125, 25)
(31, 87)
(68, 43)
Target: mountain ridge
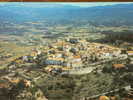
(120, 13)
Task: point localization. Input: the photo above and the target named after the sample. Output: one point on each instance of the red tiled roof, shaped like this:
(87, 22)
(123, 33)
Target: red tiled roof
(103, 98)
(77, 56)
(118, 65)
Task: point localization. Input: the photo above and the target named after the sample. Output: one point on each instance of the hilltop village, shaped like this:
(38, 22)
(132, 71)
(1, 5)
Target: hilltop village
(66, 52)
(73, 54)
(66, 57)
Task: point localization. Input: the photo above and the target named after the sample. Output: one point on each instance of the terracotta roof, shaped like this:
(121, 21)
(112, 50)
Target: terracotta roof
(77, 56)
(15, 81)
(103, 98)
(118, 65)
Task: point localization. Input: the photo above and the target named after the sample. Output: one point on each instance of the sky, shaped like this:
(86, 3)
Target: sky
(85, 4)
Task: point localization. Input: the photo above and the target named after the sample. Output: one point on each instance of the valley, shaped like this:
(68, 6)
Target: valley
(64, 58)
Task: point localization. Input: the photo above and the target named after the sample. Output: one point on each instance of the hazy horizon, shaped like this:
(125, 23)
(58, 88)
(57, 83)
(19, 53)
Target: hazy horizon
(85, 4)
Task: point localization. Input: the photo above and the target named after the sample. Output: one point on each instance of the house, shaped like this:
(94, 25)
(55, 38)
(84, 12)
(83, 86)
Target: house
(25, 58)
(76, 58)
(50, 56)
(49, 68)
(33, 53)
(73, 40)
(53, 62)
(107, 55)
(58, 55)
(66, 68)
(104, 98)
(76, 64)
(118, 66)
(16, 81)
(67, 48)
(117, 53)
(57, 59)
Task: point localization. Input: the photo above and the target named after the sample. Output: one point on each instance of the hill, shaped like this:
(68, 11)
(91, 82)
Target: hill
(113, 15)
